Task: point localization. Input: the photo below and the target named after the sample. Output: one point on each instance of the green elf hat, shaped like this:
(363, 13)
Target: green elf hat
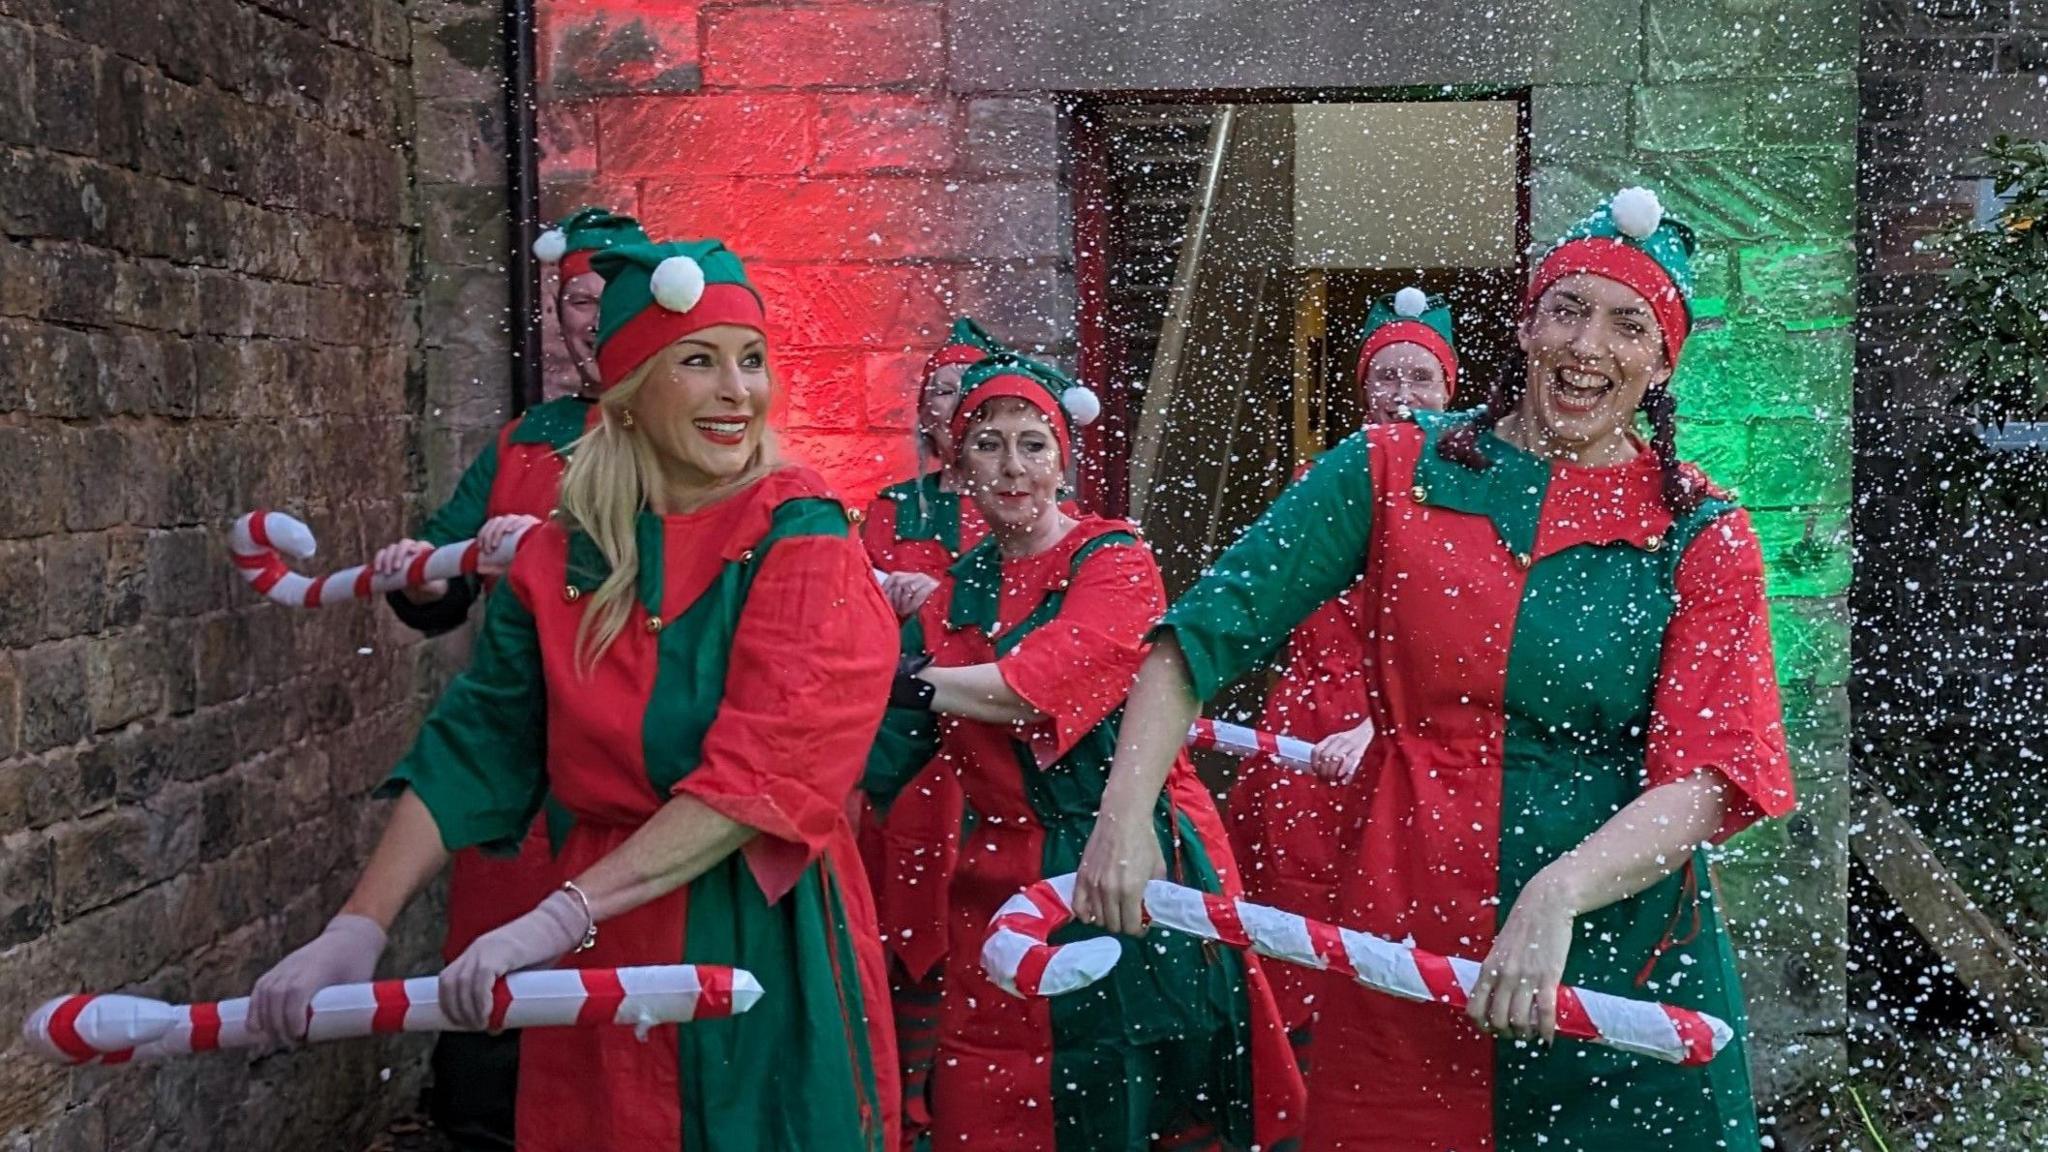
(656, 294)
(1411, 316)
(1067, 404)
(967, 343)
(572, 241)
(1629, 240)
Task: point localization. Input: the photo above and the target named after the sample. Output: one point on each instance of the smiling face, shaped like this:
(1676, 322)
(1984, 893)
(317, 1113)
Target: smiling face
(1403, 378)
(1010, 464)
(576, 308)
(936, 402)
(1593, 348)
(704, 405)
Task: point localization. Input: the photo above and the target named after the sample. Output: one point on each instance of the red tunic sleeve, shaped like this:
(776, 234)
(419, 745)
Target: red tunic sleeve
(805, 687)
(1716, 704)
(1078, 667)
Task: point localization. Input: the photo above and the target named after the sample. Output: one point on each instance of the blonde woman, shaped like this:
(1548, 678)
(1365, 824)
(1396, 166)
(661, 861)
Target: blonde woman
(692, 660)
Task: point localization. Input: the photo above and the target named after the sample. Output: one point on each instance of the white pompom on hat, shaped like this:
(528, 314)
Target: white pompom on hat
(1411, 303)
(1082, 404)
(550, 246)
(678, 283)
(1636, 211)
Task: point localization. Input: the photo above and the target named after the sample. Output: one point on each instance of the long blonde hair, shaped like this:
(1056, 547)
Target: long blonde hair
(614, 472)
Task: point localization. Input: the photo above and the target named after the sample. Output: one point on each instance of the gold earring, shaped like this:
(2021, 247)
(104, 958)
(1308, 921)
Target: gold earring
(626, 417)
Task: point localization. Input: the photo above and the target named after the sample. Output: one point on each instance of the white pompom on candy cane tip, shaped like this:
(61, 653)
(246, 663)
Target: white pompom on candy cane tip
(1082, 404)
(551, 246)
(1411, 303)
(678, 283)
(1636, 211)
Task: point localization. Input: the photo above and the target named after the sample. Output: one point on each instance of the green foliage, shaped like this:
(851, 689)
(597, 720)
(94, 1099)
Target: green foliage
(1995, 312)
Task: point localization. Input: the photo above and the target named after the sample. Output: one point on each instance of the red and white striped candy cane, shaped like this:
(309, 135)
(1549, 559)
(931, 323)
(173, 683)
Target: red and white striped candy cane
(1240, 741)
(1018, 957)
(114, 1029)
(261, 540)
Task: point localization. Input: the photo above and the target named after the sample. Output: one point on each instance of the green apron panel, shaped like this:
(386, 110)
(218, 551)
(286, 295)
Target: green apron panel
(1581, 678)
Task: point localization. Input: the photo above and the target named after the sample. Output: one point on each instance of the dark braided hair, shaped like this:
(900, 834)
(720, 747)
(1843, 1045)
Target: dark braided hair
(1460, 445)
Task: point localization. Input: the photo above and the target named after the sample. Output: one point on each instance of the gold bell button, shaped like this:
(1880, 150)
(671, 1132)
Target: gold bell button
(653, 625)
(1654, 543)
(747, 557)
(857, 515)
(572, 593)
(1522, 560)
(1419, 492)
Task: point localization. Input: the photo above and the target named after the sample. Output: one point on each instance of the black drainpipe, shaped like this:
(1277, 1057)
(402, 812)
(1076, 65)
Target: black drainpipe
(522, 186)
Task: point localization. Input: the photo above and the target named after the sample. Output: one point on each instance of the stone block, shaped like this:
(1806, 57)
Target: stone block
(1578, 120)
(884, 133)
(74, 566)
(94, 465)
(621, 49)
(1688, 41)
(852, 304)
(1798, 463)
(857, 464)
(1013, 137)
(53, 696)
(464, 226)
(840, 46)
(67, 95)
(21, 594)
(461, 141)
(1719, 447)
(1800, 287)
(1812, 640)
(31, 480)
(1803, 114)
(17, 84)
(891, 381)
(822, 389)
(567, 131)
(726, 133)
(1806, 553)
(1699, 116)
(1750, 369)
(124, 677)
(26, 898)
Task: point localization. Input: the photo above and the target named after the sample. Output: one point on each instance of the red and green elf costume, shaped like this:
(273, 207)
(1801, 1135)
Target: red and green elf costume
(1181, 1047)
(1543, 642)
(1291, 831)
(519, 474)
(751, 677)
(920, 526)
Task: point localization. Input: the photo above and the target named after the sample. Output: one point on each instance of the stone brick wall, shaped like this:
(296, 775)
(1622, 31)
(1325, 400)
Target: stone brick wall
(1951, 627)
(210, 296)
(827, 145)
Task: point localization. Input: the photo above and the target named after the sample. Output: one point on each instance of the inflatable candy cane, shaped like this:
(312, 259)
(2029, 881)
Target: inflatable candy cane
(1019, 959)
(1241, 742)
(87, 1029)
(259, 536)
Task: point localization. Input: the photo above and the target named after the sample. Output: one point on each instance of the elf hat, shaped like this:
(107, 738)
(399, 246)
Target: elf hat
(967, 343)
(572, 241)
(656, 294)
(1629, 240)
(1067, 404)
(1411, 316)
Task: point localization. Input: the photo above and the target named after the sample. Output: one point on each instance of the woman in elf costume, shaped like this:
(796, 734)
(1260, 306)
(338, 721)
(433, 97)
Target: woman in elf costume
(513, 483)
(1570, 677)
(691, 659)
(1289, 831)
(914, 531)
(1032, 646)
